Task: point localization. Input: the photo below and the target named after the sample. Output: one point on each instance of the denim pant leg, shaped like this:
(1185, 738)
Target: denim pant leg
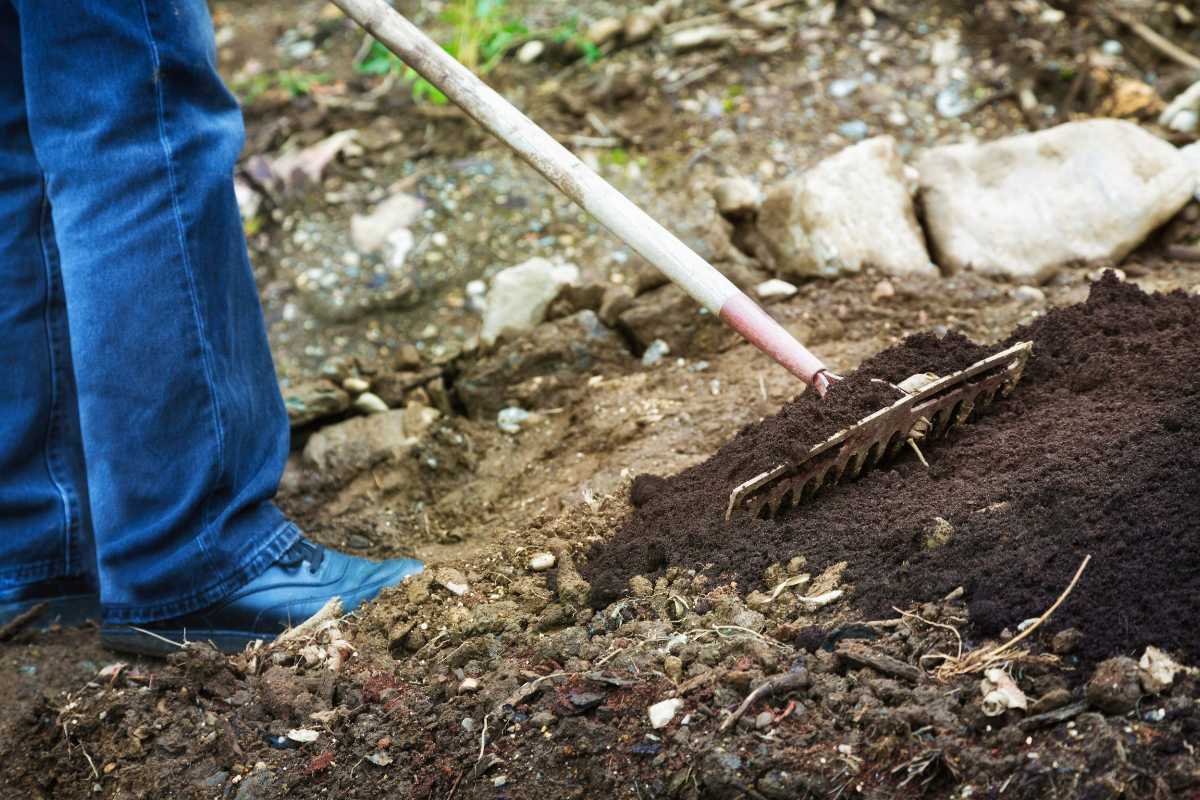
(43, 496)
(184, 431)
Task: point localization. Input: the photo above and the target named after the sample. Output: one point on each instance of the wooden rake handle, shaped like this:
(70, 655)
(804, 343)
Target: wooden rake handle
(594, 194)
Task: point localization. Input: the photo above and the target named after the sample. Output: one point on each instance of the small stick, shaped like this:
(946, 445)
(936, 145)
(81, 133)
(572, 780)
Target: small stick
(981, 658)
(780, 683)
(913, 444)
(454, 786)
(21, 621)
(331, 610)
(1046, 615)
(92, 764)
(1158, 41)
(157, 636)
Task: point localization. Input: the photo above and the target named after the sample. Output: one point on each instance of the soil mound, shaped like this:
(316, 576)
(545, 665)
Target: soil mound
(1097, 452)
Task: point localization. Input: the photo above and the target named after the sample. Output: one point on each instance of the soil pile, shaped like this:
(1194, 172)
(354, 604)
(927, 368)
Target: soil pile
(1098, 451)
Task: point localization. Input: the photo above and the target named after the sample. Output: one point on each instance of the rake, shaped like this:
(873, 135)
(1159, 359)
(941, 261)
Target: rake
(945, 402)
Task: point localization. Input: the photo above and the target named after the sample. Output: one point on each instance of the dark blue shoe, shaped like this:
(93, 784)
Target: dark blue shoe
(69, 601)
(289, 592)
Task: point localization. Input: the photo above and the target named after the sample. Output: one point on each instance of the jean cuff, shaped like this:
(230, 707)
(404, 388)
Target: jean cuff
(253, 564)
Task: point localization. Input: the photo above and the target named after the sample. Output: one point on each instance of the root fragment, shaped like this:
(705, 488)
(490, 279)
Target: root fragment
(979, 660)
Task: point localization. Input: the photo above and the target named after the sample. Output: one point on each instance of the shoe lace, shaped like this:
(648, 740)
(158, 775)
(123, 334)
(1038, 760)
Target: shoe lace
(303, 550)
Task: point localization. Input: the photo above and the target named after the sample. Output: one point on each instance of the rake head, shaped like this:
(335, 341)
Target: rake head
(923, 413)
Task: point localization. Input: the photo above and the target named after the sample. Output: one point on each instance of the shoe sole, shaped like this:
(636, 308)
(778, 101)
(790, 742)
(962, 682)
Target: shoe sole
(165, 642)
(68, 611)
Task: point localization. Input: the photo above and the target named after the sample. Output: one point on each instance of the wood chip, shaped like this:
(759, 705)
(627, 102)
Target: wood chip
(1053, 717)
(865, 656)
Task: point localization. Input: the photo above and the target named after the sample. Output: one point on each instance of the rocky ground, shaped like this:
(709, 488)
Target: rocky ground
(491, 422)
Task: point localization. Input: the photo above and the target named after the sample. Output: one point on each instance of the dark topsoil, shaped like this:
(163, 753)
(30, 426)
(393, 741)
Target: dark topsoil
(1097, 452)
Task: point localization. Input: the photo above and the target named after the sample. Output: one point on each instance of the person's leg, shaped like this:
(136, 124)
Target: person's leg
(44, 547)
(184, 432)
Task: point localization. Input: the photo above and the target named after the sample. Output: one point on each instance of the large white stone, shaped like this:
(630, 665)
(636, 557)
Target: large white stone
(849, 211)
(388, 220)
(1192, 154)
(360, 442)
(520, 295)
(1026, 205)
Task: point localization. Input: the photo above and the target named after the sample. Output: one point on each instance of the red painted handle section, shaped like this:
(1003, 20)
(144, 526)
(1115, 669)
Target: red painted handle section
(747, 318)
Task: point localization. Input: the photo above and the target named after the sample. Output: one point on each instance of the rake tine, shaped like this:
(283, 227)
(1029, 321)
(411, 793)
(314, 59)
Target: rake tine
(930, 412)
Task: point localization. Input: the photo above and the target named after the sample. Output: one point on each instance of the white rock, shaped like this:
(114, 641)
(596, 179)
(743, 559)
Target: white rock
(303, 735)
(662, 712)
(509, 419)
(520, 295)
(1192, 154)
(369, 232)
(540, 562)
(1025, 205)
(603, 30)
(843, 87)
(530, 51)
(249, 201)
(850, 210)
(641, 24)
(1028, 295)
(361, 441)
(736, 197)
(468, 685)
(884, 290)
(775, 288)
(452, 581)
(355, 385)
(1157, 670)
(655, 352)
(1182, 113)
(369, 403)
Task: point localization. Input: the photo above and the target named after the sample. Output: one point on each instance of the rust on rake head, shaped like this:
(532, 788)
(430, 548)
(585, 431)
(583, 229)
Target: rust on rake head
(929, 411)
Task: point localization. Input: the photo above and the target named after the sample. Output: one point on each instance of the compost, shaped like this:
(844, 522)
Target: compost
(1097, 452)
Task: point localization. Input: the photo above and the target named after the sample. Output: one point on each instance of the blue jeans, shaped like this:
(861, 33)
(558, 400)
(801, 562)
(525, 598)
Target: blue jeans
(142, 434)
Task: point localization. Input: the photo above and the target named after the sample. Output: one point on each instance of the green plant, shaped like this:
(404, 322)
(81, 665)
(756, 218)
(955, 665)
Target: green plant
(292, 81)
(569, 34)
(482, 33)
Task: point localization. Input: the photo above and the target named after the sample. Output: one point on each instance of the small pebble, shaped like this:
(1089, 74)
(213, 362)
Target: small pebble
(662, 712)
(1028, 295)
(370, 403)
(540, 562)
(509, 419)
(775, 288)
(530, 51)
(854, 130)
(655, 352)
(355, 385)
(843, 87)
(764, 720)
(468, 686)
(883, 291)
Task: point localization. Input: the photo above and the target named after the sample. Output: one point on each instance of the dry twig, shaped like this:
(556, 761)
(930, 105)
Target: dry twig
(779, 683)
(20, 621)
(1159, 42)
(979, 660)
